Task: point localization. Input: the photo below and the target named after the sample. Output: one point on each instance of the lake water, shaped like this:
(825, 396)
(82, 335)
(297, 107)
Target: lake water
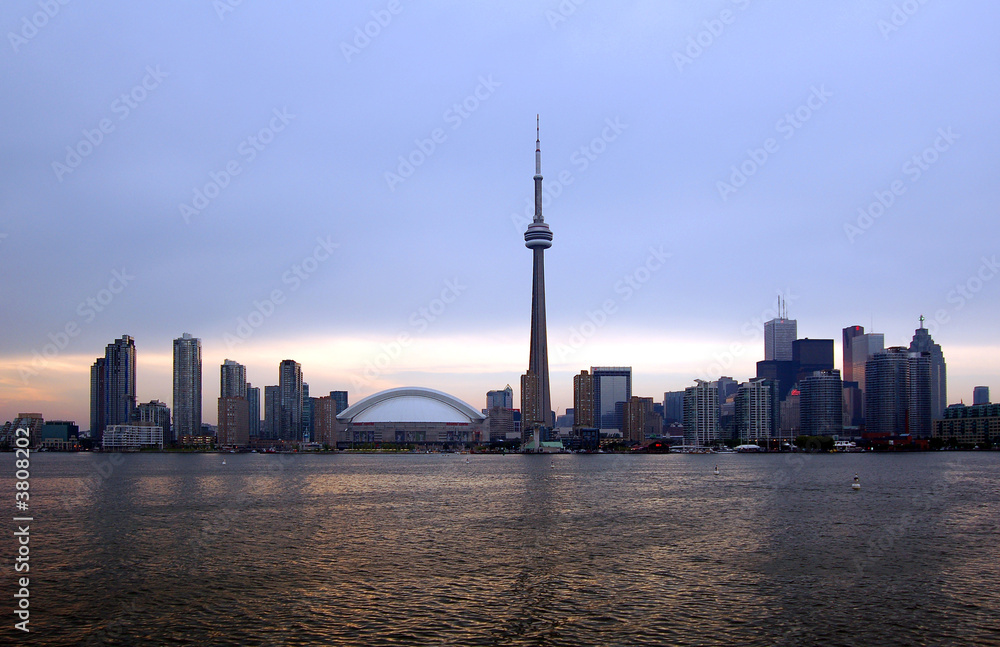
(167, 549)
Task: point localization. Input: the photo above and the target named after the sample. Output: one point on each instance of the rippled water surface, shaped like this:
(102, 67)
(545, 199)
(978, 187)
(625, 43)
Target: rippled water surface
(166, 549)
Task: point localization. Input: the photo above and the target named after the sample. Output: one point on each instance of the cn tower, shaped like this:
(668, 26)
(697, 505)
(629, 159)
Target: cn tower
(537, 410)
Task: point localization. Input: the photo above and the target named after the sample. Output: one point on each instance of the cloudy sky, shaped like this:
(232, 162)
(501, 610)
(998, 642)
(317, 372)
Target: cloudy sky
(345, 184)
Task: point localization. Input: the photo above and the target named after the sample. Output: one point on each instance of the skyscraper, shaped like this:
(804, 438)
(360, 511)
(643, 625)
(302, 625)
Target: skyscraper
(112, 387)
(502, 398)
(233, 380)
(290, 400)
(538, 407)
(253, 406)
(847, 372)
(701, 413)
(922, 343)
(187, 386)
(612, 391)
(583, 400)
(308, 411)
(778, 337)
(272, 413)
(887, 391)
(920, 394)
(157, 414)
(981, 395)
(98, 389)
(756, 412)
(234, 408)
(340, 398)
(821, 404)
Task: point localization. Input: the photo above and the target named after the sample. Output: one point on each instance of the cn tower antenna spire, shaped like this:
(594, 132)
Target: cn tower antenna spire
(538, 172)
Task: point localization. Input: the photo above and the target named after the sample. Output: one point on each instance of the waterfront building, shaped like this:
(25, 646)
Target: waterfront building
(821, 404)
(412, 416)
(920, 394)
(612, 390)
(887, 391)
(112, 386)
(502, 398)
(60, 435)
(272, 413)
(500, 421)
(187, 386)
(132, 438)
(253, 406)
(536, 401)
(98, 390)
(290, 400)
(583, 401)
(970, 426)
(756, 411)
(233, 380)
(234, 423)
(308, 407)
(981, 395)
(33, 422)
(779, 334)
(640, 421)
(923, 343)
(155, 413)
(701, 413)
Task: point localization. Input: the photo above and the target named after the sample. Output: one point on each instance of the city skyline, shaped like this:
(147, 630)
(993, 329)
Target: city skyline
(363, 215)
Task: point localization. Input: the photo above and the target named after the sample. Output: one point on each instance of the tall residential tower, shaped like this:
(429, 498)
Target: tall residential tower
(187, 386)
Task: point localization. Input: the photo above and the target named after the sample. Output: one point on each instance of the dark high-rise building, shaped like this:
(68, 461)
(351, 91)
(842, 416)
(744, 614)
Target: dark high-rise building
(112, 387)
(847, 371)
(272, 413)
(612, 390)
(583, 401)
(537, 406)
(920, 394)
(503, 398)
(98, 390)
(811, 355)
(253, 406)
(340, 397)
(233, 380)
(922, 343)
(887, 391)
(778, 337)
(821, 404)
(980, 395)
(308, 414)
(782, 373)
(673, 406)
(290, 385)
(187, 386)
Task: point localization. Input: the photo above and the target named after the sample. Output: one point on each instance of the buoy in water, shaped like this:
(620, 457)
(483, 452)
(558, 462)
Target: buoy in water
(716, 470)
(856, 485)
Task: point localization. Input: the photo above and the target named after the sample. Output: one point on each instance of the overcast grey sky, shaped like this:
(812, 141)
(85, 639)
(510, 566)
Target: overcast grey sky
(345, 184)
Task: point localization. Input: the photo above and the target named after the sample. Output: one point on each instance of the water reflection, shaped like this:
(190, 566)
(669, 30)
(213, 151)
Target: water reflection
(515, 550)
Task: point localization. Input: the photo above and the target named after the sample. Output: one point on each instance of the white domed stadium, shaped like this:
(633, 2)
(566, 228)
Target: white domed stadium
(410, 415)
